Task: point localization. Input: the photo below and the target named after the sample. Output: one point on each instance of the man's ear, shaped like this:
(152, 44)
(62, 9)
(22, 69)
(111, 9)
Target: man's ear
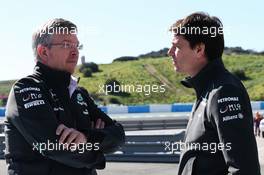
(42, 52)
(200, 50)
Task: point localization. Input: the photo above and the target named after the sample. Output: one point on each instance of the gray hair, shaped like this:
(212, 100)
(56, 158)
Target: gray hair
(43, 35)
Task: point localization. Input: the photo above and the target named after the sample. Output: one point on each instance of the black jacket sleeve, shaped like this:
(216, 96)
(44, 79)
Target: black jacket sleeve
(29, 110)
(112, 137)
(231, 114)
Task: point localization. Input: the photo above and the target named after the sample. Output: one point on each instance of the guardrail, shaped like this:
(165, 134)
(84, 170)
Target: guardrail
(138, 148)
(132, 125)
(148, 148)
(2, 111)
(146, 124)
(176, 107)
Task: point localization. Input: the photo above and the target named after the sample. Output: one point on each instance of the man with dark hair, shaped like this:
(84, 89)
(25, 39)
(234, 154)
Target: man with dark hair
(53, 127)
(219, 137)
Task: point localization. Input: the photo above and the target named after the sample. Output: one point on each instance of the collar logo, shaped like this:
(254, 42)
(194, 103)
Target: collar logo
(81, 102)
(79, 97)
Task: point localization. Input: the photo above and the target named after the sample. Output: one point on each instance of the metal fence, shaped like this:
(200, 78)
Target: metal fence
(132, 125)
(141, 147)
(148, 148)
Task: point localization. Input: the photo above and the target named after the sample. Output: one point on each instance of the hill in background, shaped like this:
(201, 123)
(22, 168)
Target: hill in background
(159, 71)
(143, 74)
(163, 53)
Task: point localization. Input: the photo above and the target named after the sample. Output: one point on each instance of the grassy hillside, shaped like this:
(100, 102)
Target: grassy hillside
(5, 86)
(148, 72)
(135, 72)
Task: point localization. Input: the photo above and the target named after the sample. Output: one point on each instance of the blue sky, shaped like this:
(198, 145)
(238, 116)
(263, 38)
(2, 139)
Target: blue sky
(113, 28)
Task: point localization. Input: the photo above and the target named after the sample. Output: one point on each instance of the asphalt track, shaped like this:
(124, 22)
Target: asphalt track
(124, 168)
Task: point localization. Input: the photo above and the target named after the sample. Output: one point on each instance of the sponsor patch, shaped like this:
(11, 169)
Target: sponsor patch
(29, 89)
(223, 110)
(31, 96)
(230, 108)
(34, 103)
(228, 99)
(233, 117)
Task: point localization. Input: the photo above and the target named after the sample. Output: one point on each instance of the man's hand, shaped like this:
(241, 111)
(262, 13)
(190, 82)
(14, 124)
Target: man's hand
(72, 135)
(100, 124)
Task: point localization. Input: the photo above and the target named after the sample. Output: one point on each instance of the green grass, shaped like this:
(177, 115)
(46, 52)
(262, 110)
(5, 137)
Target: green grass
(5, 86)
(134, 73)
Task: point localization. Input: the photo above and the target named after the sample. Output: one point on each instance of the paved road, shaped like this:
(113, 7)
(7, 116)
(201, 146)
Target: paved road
(160, 169)
(148, 168)
(127, 169)
(139, 169)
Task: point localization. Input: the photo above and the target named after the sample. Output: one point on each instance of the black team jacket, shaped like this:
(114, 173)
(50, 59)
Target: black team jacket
(219, 137)
(36, 106)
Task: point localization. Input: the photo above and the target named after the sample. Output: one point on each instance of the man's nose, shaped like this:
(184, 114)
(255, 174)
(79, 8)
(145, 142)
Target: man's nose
(75, 52)
(170, 52)
(75, 49)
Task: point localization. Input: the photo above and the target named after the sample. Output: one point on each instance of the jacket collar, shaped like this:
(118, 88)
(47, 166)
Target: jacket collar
(201, 80)
(53, 78)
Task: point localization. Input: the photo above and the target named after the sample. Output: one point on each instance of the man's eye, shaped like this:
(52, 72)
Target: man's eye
(67, 45)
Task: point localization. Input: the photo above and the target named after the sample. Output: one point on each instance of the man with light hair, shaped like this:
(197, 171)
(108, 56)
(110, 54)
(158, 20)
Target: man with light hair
(53, 126)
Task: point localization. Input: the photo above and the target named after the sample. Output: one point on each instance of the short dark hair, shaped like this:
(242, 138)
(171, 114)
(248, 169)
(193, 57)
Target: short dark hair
(44, 34)
(197, 28)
